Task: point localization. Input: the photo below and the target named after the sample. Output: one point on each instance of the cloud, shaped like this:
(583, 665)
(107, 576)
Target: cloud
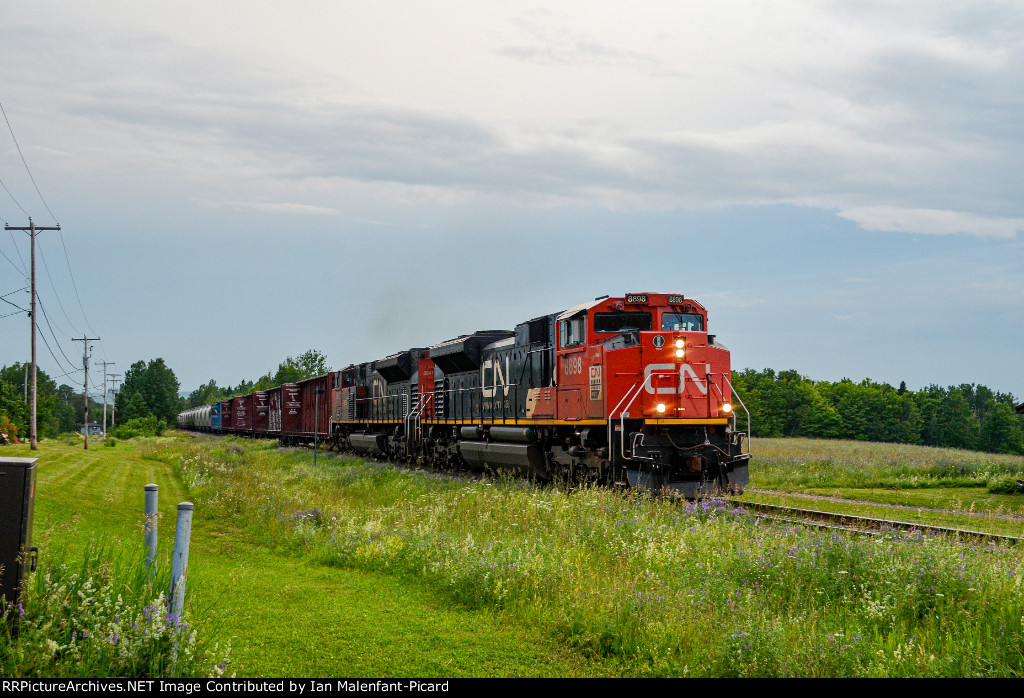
(547, 39)
(289, 208)
(914, 128)
(932, 221)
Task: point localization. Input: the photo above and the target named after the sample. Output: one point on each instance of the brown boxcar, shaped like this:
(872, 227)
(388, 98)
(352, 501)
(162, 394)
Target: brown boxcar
(291, 410)
(315, 396)
(274, 405)
(227, 423)
(260, 416)
(240, 413)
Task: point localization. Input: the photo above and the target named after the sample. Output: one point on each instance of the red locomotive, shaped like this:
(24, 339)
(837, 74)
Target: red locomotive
(629, 390)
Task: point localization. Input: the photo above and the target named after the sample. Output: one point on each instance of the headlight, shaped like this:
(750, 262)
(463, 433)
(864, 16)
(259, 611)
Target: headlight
(726, 407)
(680, 353)
(661, 408)
(680, 344)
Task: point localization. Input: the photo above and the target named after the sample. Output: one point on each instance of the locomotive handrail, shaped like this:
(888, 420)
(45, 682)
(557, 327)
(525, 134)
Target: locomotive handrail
(732, 415)
(622, 415)
(415, 414)
(456, 407)
(611, 415)
(750, 430)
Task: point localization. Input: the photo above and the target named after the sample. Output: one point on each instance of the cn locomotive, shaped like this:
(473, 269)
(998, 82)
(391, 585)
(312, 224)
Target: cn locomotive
(630, 390)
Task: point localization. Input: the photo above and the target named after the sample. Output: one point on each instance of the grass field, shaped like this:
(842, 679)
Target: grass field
(916, 484)
(362, 569)
(284, 615)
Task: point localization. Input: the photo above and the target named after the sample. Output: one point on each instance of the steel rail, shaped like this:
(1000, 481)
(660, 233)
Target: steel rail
(864, 524)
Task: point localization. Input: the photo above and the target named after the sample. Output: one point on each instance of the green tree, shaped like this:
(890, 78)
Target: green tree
(1001, 430)
(206, 394)
(149, 390)
(13, 407)
(46, 400)
(959, 427)
(308, 365)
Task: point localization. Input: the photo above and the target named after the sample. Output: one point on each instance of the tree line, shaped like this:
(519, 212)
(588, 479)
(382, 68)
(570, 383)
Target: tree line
(149, 396)
(59, 409)
(306, 365)
(966, 416)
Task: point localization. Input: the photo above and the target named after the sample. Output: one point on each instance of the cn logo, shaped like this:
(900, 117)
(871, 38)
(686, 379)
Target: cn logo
(498, 377)
(662, 371)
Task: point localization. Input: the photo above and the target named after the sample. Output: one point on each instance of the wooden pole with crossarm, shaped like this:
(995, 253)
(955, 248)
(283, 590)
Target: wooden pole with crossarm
(32, 230)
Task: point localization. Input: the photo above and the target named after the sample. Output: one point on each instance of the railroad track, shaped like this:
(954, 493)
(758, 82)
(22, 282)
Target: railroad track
(863, 524)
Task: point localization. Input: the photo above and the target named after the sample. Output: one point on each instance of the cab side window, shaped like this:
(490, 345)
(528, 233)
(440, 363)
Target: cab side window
(574, 331)
(684, 322)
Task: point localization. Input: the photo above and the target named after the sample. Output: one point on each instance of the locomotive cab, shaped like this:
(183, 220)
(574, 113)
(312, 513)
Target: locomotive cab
(646, 363)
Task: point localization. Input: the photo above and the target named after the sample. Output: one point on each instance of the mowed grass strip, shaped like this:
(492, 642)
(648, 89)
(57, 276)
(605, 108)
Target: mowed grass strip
(284, 616)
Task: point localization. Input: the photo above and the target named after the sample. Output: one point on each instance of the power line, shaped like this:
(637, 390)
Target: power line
(20, 309)
(11, 293)
(65, 375)
(12, 197)
(73, 284)
(18, 269)
(46, 267)
(25, 163)
(7, 226)
(45, 317)
(55, 359)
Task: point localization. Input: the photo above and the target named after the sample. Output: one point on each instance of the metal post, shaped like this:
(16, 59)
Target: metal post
(179, 561)
(151, 519)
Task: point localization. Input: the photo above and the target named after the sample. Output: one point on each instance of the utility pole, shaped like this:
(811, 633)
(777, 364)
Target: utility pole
(105, 364)
(85, 363)
(113, 406)
(32, 229)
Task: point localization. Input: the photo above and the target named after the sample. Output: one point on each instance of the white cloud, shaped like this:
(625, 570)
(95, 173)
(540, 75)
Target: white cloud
(289, 208)
(929, 221)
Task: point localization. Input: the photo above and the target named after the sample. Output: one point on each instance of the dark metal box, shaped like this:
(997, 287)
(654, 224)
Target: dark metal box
(17, 504)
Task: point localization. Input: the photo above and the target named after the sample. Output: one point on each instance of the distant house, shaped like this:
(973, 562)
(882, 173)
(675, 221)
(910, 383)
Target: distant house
(94, 429)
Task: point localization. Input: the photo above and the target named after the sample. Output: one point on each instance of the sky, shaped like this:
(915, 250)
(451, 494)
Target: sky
(237, 182)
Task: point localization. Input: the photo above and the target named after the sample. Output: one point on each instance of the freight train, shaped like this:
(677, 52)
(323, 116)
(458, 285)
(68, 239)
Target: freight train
(630, 390)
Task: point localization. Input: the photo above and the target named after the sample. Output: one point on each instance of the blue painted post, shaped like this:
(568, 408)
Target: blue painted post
(179, 561)
(150, 522)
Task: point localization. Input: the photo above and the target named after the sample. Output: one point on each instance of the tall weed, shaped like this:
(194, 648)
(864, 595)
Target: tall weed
(106, 616)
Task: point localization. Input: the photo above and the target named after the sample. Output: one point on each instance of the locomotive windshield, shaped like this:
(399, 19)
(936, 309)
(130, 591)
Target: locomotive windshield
(682, 322)
(617, 322)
